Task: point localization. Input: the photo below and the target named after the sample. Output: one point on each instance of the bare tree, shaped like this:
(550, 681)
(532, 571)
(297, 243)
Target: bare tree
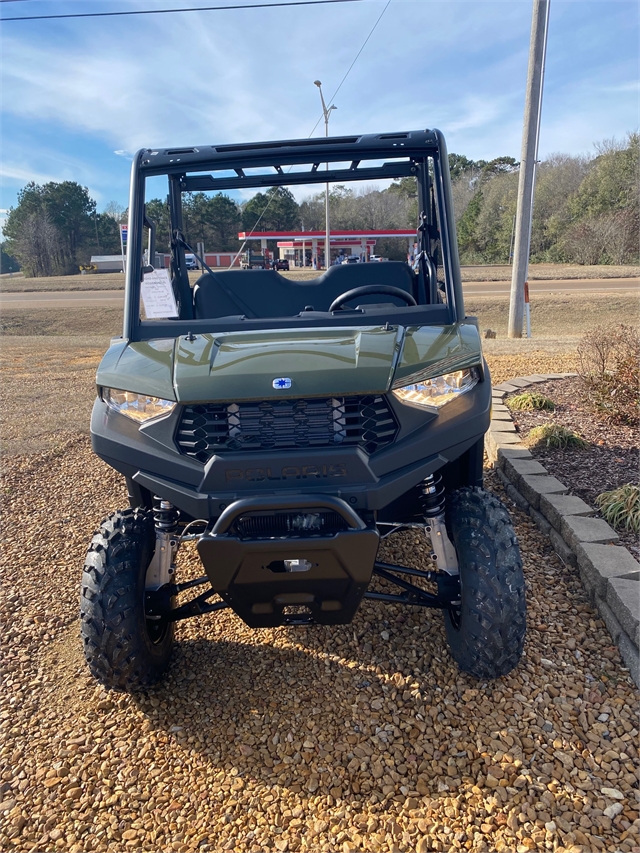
(38, 245)
(379, 209)
(623, 247)
(115, 210)
(312, 213)
(610, 146)
(463, 190)
(587, 241)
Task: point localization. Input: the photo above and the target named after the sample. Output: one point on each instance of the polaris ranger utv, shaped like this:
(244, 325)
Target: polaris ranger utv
(288, 426)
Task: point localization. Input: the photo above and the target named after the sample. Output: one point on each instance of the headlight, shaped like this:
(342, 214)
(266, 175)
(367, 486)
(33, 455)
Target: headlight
(138, 407)
(438, 390)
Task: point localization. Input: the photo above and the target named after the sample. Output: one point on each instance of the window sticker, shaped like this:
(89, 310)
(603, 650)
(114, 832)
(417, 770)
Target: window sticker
(158, 299)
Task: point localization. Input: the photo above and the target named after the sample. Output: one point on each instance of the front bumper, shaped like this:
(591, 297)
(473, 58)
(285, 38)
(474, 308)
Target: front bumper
(426, 442)
(247, 572)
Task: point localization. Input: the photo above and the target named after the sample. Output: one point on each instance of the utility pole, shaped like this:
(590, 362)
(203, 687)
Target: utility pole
(327, 113)
(526, 183)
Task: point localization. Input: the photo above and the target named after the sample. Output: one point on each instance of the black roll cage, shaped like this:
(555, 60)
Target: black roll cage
(404, 154)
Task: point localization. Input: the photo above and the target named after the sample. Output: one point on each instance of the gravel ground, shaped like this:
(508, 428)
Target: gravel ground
(360, 737)
(364, 736)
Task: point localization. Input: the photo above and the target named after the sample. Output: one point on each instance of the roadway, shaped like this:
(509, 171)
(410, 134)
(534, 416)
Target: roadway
(82, 298)
(566, 285)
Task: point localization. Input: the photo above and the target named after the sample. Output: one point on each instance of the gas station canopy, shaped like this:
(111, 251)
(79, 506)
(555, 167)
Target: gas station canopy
(300, 245)
(336, 237)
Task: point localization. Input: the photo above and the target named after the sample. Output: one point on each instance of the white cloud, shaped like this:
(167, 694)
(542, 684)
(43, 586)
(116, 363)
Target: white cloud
(24, 173)
(630, 86)
(238, 75)
(474, 113)
(52, 167)
(117, 85)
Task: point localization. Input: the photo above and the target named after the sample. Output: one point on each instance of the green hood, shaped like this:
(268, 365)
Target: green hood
(318, 362)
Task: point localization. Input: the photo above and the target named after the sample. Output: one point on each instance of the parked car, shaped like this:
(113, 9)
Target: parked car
(190, 262)
(377, 259)
(282, 264)
(352, 259)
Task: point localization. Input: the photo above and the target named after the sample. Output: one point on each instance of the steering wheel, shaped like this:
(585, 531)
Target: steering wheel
(369, 289)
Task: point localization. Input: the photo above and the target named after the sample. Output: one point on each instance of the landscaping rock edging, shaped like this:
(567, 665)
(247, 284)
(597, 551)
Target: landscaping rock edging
(608, 571)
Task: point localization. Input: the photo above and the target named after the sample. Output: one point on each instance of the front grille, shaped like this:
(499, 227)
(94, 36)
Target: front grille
(209, 428)
(289, 524)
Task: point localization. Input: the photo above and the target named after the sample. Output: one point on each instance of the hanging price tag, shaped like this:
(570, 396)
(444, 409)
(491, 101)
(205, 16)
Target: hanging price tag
(157, 296)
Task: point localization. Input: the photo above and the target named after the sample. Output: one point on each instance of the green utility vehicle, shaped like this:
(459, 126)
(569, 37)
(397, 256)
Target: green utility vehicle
(288, 426)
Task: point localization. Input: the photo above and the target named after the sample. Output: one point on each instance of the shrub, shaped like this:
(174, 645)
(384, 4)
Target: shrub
(531, 401)
(609, 367)
(609, 238)
(554, 435)
(621, 507)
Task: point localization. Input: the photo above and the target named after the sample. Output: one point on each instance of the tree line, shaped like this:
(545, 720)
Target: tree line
(55, 228)
(586, 211)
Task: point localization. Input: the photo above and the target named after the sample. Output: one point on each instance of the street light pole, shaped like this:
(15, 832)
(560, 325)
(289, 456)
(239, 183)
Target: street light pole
(327, 112)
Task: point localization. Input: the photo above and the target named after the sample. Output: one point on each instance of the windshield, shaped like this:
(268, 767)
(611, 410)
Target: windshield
(218, 256)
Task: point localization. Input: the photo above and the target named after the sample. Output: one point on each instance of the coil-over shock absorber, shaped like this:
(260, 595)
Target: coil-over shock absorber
(165, 516)
(161, 568)
(432, 500)
(432, 497)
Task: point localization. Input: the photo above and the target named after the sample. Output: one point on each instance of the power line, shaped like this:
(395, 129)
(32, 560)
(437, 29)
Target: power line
(169, 11)
(364, 44)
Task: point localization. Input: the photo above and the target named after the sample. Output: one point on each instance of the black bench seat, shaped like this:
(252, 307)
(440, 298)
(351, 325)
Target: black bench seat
(267, 294)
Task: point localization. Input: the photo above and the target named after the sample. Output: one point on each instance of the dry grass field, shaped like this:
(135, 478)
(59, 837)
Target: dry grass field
(562, 316)
(549, 272)
(49, 356)
(490, 272)
(19, 284)
(565, 316)
(48, 388)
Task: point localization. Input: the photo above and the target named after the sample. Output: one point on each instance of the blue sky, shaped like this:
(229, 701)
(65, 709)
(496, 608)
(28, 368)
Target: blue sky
(80, 96)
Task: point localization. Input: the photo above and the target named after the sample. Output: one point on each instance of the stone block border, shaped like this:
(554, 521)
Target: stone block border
(608, 571)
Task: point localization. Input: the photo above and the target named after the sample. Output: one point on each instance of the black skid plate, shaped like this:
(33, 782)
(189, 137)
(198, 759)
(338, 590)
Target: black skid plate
(304, 577)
